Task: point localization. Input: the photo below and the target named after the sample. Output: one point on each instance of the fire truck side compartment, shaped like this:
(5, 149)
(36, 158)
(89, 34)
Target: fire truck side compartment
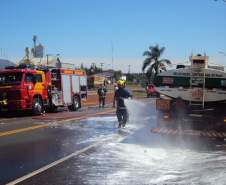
(66, 89)
(75, 84)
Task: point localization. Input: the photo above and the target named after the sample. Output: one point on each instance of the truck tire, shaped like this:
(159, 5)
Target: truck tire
(76, 104)
(52, 108)
(37, 106)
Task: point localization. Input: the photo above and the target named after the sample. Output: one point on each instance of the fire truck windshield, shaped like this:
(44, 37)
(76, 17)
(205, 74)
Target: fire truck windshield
(10, 78)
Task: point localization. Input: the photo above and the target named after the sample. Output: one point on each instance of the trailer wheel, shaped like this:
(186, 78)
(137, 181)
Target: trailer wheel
(157, 95)
(37, 106)
(75, 104)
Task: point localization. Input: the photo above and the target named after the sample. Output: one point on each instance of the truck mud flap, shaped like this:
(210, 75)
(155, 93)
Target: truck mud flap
(210, 134)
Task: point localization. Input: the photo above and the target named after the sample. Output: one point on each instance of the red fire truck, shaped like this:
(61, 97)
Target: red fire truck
(38, 89)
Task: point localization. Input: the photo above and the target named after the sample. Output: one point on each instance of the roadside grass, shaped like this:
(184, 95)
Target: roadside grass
(136, 89)
(134, 86)
(139, 94)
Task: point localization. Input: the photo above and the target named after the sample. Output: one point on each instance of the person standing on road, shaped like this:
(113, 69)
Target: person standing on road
(102, 92)
(121, 111)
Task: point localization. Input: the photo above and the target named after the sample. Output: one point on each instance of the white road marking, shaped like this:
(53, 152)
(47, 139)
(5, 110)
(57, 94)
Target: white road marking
(55, 163)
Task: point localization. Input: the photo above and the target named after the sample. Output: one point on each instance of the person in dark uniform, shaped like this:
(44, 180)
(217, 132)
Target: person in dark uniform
(102, 92)
(121, 111)
(115, 89)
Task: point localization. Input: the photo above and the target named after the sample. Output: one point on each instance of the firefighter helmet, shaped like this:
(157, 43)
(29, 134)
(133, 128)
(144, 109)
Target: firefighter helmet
(121, 82)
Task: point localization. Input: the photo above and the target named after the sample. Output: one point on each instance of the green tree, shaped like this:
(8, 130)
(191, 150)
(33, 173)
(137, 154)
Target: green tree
(117, 74)
(82, 66)
(153, 65)
(94, 69)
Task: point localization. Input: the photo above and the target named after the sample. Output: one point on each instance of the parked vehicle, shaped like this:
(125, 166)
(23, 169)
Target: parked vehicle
(151, 91)
(37, 89)
(96, 80)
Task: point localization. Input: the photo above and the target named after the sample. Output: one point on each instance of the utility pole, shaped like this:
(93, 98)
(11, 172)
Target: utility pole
(129, 69)
(47, 61)
(34, 40)
(112, 56)
(101, 66)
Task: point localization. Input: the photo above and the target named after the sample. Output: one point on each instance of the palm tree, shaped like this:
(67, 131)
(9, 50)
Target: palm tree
(152, 62)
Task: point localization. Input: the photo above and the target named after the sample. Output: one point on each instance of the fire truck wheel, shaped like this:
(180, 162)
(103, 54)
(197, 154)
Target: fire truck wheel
(76, 104)
(37, 107)
(52, 108)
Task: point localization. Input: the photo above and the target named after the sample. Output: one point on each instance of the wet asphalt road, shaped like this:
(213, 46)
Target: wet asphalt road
(132, 155)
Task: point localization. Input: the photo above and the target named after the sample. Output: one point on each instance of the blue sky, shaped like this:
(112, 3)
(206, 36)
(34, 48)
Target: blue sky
(85, 30)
